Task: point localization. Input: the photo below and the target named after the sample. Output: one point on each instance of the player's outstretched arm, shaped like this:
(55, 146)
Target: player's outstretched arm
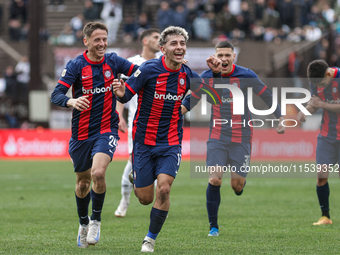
(80, 103)
(214, 64)
(302, 117)
(118, 87)
(281, 128)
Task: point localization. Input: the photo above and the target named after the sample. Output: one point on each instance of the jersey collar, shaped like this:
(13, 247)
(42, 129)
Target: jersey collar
(90, 61)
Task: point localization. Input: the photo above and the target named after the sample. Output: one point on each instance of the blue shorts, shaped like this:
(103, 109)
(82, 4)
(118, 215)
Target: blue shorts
(327, 151)
(150, 161)
(235, 156)
(82, 152)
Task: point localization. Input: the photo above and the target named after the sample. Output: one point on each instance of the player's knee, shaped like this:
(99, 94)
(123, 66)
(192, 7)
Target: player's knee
(163, 193)
(83, 186)
(145, 200)
(215, 181)
(98, 174)
(237, 185)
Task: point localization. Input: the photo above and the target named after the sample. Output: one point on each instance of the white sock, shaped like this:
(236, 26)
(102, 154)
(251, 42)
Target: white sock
(126, 186)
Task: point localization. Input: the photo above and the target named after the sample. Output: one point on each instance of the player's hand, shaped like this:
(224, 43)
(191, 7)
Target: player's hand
(80, 103)
(214, 64)
(184, 61)
(301, 116)
(184, 110)
(122, 125)
(316, 102)
(118, 87)
(281, 128)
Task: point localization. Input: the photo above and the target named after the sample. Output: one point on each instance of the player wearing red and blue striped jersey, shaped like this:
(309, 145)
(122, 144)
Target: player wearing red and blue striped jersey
(230, 144)
(161, 85)
(94, 123)
(324, 83)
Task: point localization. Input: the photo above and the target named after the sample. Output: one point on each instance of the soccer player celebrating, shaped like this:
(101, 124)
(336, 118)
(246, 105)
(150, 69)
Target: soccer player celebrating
(94, 123)
(157, 132)
(325, 95)
(230, 144)
(149, 40)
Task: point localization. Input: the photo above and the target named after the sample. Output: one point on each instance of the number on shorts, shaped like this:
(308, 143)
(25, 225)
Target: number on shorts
(113, 141)
(179, 158)
(246, 160)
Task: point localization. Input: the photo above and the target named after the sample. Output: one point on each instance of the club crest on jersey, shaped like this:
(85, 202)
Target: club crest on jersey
(181, 81)
(137, 73)
(334, 90)
(107, 74)
(63, 73)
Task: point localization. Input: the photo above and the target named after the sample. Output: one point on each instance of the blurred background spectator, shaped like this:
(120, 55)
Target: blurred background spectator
(89, 12)
(22, 70)
(112, 15)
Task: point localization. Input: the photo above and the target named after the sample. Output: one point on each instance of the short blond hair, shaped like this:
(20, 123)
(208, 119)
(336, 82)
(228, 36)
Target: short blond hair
(172, 30)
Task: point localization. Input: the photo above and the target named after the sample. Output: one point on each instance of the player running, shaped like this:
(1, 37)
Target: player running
(161, 85)
(94, 123)
(230, 144)
(149, 40)
(324, 83)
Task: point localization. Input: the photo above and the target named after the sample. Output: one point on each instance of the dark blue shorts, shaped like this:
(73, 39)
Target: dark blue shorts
(327, 151)
(150, 161)
(82, 152)
(234, 156)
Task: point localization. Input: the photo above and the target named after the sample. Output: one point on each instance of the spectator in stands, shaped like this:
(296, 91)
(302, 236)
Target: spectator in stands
(66, 36)
(315, 15)
(180, 17)
(17, 19)
(174, 3)
(234, 7)
(260, 6)
(192, 9)
(57, 5)
(313, 33)
(243, 19)
(22, 70)
(305, 10)
(257, 32)
(44, 34)
(164, 16)
(202, 27)
(271, 17)
(287, 12)
(328, 13)
(77, 27)
(295, 70)
(142, 24)
(112, 14)
(129, 29)
(225, 21)
(11, 84)
(89, 12)
(98, 6)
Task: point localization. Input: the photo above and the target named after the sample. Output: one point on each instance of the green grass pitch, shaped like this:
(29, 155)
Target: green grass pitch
(273, 216)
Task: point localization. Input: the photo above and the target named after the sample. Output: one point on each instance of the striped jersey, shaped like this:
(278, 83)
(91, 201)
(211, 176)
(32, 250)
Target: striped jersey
(330, 124)
(158, 120)
(237, 129)
(92, 79)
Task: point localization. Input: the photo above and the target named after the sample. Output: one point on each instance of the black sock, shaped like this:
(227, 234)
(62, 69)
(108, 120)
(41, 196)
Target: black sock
(323, 196)
(157, 218)
(213, 202)
(83, 209)
(97, 205)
